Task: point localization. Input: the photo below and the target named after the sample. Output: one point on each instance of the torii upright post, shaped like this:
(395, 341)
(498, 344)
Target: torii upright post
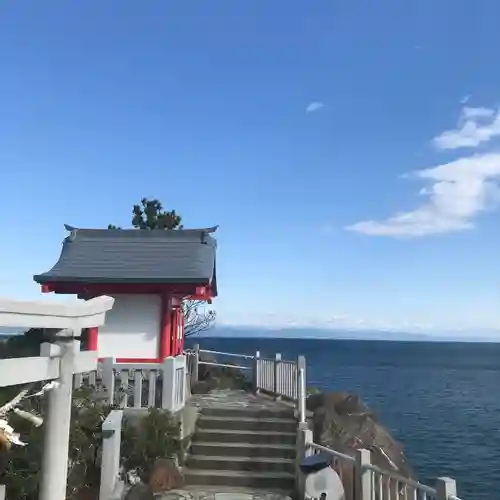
(57, 424)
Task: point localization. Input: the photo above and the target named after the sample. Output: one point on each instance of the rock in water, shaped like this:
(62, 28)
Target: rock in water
(344, 423)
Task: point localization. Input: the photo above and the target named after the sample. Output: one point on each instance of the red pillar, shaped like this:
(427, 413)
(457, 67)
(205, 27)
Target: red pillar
(165, 349)
(177, 331)
(181, 322)
(173, 332)
(92, 338)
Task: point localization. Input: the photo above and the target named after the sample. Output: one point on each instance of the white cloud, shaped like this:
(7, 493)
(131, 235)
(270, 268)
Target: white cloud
(465, 99)
(476, 113)
(475, 126)
(314, 106)
(456, 193)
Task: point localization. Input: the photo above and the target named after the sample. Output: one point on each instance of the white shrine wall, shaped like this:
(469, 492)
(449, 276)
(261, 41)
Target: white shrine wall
(132, 328)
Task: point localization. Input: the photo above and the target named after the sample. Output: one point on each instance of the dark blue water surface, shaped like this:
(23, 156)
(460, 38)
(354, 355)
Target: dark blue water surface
(441, 400)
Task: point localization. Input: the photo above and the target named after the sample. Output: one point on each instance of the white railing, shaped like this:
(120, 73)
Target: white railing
(140, 385)
(271, 375)
(363, 480)
(277, 376)
(264, 375)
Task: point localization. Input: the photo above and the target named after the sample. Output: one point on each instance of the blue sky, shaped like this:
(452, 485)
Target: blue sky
(347, 149)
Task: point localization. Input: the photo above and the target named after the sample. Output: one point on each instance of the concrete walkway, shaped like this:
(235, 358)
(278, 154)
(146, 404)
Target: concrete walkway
(234, 399)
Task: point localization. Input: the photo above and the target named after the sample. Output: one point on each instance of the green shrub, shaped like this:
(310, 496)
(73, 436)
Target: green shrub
(146, 439)
(20, 467)
(312, 391)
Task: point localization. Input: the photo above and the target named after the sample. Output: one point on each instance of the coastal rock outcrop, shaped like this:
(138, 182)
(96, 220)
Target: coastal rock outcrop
(344, 423)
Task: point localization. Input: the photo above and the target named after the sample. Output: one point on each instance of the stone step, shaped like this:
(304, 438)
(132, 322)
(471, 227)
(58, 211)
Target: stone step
(265, 449)
(243, 479)
(279, 412)
(229, 435)
(245, 423)
(199, 492)
(252, 464)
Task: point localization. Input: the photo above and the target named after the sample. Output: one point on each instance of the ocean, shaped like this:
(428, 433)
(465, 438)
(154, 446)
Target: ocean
(441, 400)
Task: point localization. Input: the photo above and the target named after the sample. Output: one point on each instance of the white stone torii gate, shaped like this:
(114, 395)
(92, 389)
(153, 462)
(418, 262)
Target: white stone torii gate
(58, 362)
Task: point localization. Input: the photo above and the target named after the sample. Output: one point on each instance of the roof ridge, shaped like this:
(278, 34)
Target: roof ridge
(209, 230)
(135, 256)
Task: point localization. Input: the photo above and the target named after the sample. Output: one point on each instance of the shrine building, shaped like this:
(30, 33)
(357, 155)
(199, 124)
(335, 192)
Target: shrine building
(148, 273)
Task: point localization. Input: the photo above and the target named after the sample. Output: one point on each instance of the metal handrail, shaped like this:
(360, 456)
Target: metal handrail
(334, 453)
(401, 479)
(224, 365)
(374, 468)
(244, 356)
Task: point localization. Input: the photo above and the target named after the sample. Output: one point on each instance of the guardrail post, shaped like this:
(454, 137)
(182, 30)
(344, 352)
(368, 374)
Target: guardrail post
(180, 389)
(362, 476)
(277, 377)
(195, 364)
(108, 378)
(110, 461)
(168, 384)
(301, 388)
(304, 439)
(255, 374)
(77, 384)
(445, 486)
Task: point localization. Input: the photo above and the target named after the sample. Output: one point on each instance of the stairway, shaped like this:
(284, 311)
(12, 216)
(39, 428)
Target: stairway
(251, 448)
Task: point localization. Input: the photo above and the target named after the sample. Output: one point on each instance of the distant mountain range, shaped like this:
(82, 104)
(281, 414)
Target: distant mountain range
(6, 332)
(482, 335)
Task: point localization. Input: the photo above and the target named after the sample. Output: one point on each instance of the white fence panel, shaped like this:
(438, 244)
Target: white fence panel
(141, 385)
(265, 374)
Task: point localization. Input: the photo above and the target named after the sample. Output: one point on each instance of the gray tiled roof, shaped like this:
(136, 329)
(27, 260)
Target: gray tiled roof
(134, 255)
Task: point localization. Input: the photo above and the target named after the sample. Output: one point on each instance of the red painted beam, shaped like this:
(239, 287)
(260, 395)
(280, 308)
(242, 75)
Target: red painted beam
(95, 290)
(93, 338)
(202, 293)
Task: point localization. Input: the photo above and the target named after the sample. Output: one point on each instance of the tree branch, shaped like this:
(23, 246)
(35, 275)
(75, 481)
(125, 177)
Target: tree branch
(198, 317)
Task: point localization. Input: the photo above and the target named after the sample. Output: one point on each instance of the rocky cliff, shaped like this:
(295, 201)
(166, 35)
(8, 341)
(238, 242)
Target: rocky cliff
(344, 423)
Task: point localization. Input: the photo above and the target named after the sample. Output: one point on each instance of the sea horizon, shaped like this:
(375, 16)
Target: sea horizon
(241, 332)
(483, 336)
